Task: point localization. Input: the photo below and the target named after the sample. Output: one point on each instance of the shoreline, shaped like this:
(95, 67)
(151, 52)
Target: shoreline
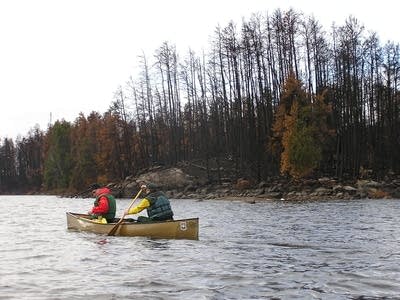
(178, 184)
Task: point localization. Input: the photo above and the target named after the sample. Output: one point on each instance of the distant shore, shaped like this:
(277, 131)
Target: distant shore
(182, 184)
(179, 184)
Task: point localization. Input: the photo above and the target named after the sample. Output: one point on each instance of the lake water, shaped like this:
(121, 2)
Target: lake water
(269, 250)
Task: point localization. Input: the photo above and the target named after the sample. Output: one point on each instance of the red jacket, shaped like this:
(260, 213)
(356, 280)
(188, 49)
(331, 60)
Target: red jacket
(102, 206)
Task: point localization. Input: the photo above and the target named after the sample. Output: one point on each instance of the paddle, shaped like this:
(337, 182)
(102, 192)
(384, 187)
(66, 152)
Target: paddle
(114, 229)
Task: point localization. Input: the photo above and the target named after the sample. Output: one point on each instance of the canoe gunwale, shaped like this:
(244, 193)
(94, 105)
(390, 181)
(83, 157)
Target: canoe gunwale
(171, 229)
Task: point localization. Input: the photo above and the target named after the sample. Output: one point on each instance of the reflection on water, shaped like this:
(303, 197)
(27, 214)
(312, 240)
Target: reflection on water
(281, 250)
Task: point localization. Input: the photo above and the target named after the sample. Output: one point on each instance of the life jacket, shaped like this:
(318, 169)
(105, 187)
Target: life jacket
(112, 206)
(160, 207)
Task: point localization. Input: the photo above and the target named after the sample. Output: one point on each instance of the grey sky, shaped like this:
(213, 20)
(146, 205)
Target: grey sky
(69, 56)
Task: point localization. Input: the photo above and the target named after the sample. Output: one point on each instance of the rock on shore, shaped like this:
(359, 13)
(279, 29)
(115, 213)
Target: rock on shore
(178, 184)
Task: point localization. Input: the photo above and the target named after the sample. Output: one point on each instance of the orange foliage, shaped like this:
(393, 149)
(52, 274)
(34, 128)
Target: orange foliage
(300, 129)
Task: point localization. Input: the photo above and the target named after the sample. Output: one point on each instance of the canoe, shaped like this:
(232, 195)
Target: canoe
(174, 229)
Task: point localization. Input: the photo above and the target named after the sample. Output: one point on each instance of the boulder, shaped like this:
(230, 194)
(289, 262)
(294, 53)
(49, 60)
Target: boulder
(167, 178)
(242, 184)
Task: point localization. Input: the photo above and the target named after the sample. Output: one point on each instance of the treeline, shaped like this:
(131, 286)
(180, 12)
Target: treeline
(277, 94)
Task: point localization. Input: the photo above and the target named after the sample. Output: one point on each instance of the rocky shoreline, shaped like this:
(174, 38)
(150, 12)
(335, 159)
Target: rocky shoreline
(178, 184)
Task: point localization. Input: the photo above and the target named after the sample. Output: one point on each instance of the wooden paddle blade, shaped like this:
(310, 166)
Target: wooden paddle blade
(114, 229)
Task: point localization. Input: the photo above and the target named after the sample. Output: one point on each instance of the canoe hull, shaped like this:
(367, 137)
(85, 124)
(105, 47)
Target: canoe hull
(176, 229)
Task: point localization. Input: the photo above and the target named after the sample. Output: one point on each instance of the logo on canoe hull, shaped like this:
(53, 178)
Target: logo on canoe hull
(183, 226)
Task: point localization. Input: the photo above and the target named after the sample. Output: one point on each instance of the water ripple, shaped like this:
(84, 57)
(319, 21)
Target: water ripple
(271, 250)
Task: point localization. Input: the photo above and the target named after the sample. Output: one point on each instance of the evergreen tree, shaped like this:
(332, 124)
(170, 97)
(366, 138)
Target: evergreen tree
(299, 129)
(58, 163)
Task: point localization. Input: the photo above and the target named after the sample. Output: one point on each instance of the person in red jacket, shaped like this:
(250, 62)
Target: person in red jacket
(104, 206)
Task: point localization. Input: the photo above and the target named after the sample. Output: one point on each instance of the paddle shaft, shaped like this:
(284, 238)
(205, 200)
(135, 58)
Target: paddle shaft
(114, 229)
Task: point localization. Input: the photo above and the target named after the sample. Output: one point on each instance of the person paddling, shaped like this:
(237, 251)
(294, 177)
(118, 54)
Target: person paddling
(156, 202)
(105, 205)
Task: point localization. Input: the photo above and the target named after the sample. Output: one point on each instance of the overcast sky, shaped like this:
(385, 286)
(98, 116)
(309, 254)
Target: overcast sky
(63, 57)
